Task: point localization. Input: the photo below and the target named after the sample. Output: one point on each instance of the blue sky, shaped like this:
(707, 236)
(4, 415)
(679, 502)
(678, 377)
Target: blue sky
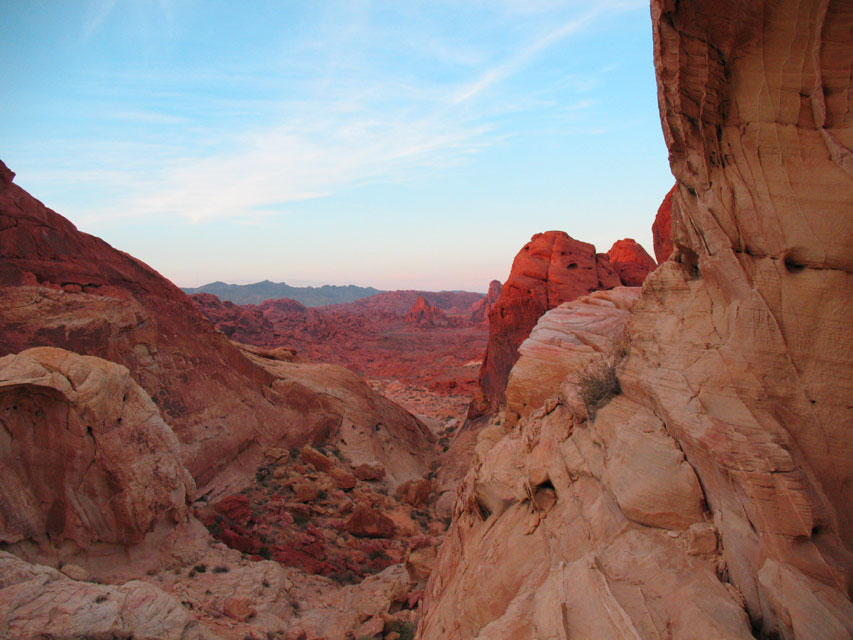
(393, 144)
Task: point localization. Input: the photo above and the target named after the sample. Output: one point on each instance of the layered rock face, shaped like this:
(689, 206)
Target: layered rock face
(341, 409)
(631, 262)
(756, 380)
(550, 269)
(711, 497)
(86, 456)
(60, 287)
(568, 526)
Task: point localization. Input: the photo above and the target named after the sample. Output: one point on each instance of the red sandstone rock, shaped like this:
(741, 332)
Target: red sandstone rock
(369, 472)
(424, 314)
(415, 492)
(369, 523)
(234, 507)
(480, 310)
(313, 457)
(631, 262)
(239, 609)
(550, 269)
(343, 479)
(662, 229)
(85, 455)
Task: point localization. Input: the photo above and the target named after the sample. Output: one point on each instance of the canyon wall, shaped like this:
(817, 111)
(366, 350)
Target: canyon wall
(710, 497)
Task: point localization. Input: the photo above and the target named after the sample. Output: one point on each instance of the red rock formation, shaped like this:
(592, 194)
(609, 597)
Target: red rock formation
(481, 309)
(631, 262)
(662, 228)
(550, 269)
(64, 288)
(424, 314)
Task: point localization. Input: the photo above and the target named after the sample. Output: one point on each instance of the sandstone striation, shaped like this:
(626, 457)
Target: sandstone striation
(631, 262)
(565, 340)
(711, 497)
(86, 456)
(39, 602)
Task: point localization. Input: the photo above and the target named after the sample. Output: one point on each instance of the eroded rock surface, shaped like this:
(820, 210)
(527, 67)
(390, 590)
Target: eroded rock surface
(631, 262)
(550, 269)
(85, 455)
(564, 341)
(710, 498)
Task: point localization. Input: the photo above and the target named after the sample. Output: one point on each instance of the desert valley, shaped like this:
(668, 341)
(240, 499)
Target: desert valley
(606, 445)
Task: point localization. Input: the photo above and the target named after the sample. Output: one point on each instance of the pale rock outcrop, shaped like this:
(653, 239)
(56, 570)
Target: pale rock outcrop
(590, 529)
(743, 343)
(84, 452)
(39, 602)
(565, 340)
(711, 498)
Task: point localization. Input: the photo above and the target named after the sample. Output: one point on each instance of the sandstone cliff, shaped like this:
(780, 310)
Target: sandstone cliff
(480, 310)
(711, 497)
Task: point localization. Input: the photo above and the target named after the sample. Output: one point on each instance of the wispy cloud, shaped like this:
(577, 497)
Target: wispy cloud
(103, 10)
(346, 126)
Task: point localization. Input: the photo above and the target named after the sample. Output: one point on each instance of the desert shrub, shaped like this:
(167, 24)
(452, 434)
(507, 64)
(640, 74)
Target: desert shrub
(220, 569)
(599, 382)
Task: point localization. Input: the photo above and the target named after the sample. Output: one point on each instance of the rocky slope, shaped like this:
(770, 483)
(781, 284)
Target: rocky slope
(424, 314)
(428, 366)
(710, 498)
(60, 287)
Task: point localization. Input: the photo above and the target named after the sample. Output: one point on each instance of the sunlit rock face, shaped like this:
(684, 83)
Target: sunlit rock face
(631, 262)
(550, 269)
(711, 497)
(662, 229)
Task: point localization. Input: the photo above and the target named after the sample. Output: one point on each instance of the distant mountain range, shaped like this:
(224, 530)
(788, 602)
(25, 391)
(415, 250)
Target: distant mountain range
(267, 290)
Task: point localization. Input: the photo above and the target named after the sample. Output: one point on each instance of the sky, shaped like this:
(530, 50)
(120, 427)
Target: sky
(389, 144)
